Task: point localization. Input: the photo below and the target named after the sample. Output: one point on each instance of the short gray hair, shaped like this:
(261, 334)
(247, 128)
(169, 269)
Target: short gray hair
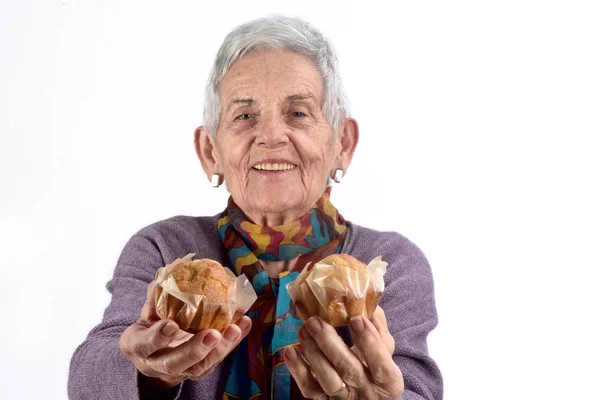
(278, 33)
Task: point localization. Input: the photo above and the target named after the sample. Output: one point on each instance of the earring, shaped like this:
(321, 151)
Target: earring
(337, 177)
(216, 180)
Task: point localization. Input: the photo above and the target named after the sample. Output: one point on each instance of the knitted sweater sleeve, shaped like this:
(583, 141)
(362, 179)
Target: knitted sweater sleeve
(409, 304)
(98, 368)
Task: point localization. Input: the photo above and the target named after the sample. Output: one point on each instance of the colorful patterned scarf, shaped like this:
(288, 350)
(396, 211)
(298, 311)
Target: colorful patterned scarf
(258, 370)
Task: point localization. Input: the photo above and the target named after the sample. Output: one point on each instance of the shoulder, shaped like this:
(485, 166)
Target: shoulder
(177, 236)
(392, 246)
(181, 225)
(408, 272)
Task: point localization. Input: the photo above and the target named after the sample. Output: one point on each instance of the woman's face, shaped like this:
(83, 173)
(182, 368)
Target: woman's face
(273, 144)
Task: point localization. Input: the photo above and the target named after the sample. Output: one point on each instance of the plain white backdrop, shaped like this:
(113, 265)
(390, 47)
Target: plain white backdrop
(479, 142)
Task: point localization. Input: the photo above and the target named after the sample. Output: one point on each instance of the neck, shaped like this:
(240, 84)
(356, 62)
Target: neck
(274, 268)
(273, 219)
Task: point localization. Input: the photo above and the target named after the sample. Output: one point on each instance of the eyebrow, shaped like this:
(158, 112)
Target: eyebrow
(248, 101)
(289, 99)
(242, 101)
(298, 97)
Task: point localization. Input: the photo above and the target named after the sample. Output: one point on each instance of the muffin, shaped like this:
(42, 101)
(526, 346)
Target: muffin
(201, 294)
(337, 288)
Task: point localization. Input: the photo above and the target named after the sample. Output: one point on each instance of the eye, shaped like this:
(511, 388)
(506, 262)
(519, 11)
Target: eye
(298, 114)
(243, 117)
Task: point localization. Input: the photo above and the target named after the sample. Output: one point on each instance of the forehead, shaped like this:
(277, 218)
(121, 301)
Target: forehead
(271, 73)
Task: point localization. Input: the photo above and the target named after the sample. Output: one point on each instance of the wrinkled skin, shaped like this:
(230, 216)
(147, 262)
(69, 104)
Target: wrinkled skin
(367, 369)
(167, 355)
(271, 112)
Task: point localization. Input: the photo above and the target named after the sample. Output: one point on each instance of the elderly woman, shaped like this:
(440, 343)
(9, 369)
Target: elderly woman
(276, 131)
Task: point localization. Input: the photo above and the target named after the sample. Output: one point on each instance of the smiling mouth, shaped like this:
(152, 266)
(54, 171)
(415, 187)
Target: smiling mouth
(274, 167)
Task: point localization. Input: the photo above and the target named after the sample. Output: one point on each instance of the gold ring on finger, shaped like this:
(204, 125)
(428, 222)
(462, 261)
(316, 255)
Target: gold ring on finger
(338, 392)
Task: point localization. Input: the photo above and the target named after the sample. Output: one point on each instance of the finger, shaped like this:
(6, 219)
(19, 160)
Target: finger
(139, 340)
(384, 372)
(245, 324)
(181, 337)
(307, 384)
(174, 361)
(380, 322)
(345, 363)
(231, 338)
(149, 308)
(325, 369)
(358, 354)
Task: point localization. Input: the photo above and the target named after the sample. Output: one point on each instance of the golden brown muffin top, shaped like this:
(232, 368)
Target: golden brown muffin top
(344, 260)
(205, 277)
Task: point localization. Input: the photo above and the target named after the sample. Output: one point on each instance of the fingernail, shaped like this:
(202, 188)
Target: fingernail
(246, 322)
(304, 333)
(169, 329)
(357, 324)
(314, 325)
(290, 353)
(211, 338)
(301, 333)
(231, 334)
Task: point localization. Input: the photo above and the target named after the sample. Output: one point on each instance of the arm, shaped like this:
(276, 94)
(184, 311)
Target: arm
(389, 358)
(134, 354)
(99, 370)
(409, 305)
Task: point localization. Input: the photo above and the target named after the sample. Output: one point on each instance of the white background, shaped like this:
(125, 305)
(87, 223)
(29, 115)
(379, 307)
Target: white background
(479, 142)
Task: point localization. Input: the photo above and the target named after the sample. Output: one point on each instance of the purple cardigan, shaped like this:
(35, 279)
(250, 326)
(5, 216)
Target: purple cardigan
(100, 371)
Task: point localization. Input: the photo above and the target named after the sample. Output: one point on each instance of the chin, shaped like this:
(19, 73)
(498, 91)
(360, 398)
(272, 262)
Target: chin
(278, 202)
(277, 206)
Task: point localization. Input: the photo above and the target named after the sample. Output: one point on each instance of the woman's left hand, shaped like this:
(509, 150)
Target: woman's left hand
(332, 370)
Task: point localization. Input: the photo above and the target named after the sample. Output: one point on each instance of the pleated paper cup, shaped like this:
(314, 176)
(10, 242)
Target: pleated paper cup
(337, 293)
(195, 312)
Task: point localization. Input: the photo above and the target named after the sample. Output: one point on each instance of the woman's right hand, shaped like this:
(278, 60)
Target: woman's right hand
(160, 350)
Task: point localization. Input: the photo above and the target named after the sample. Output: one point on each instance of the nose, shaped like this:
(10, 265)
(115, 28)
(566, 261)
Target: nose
(272, 132)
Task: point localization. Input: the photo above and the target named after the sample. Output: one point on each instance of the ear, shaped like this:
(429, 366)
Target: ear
(348, 139)
(206, 151)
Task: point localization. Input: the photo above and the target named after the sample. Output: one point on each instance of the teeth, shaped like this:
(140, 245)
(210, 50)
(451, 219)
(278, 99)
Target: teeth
(274, 166)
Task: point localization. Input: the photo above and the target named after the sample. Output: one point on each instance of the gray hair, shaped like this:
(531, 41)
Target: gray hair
(278, 33)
